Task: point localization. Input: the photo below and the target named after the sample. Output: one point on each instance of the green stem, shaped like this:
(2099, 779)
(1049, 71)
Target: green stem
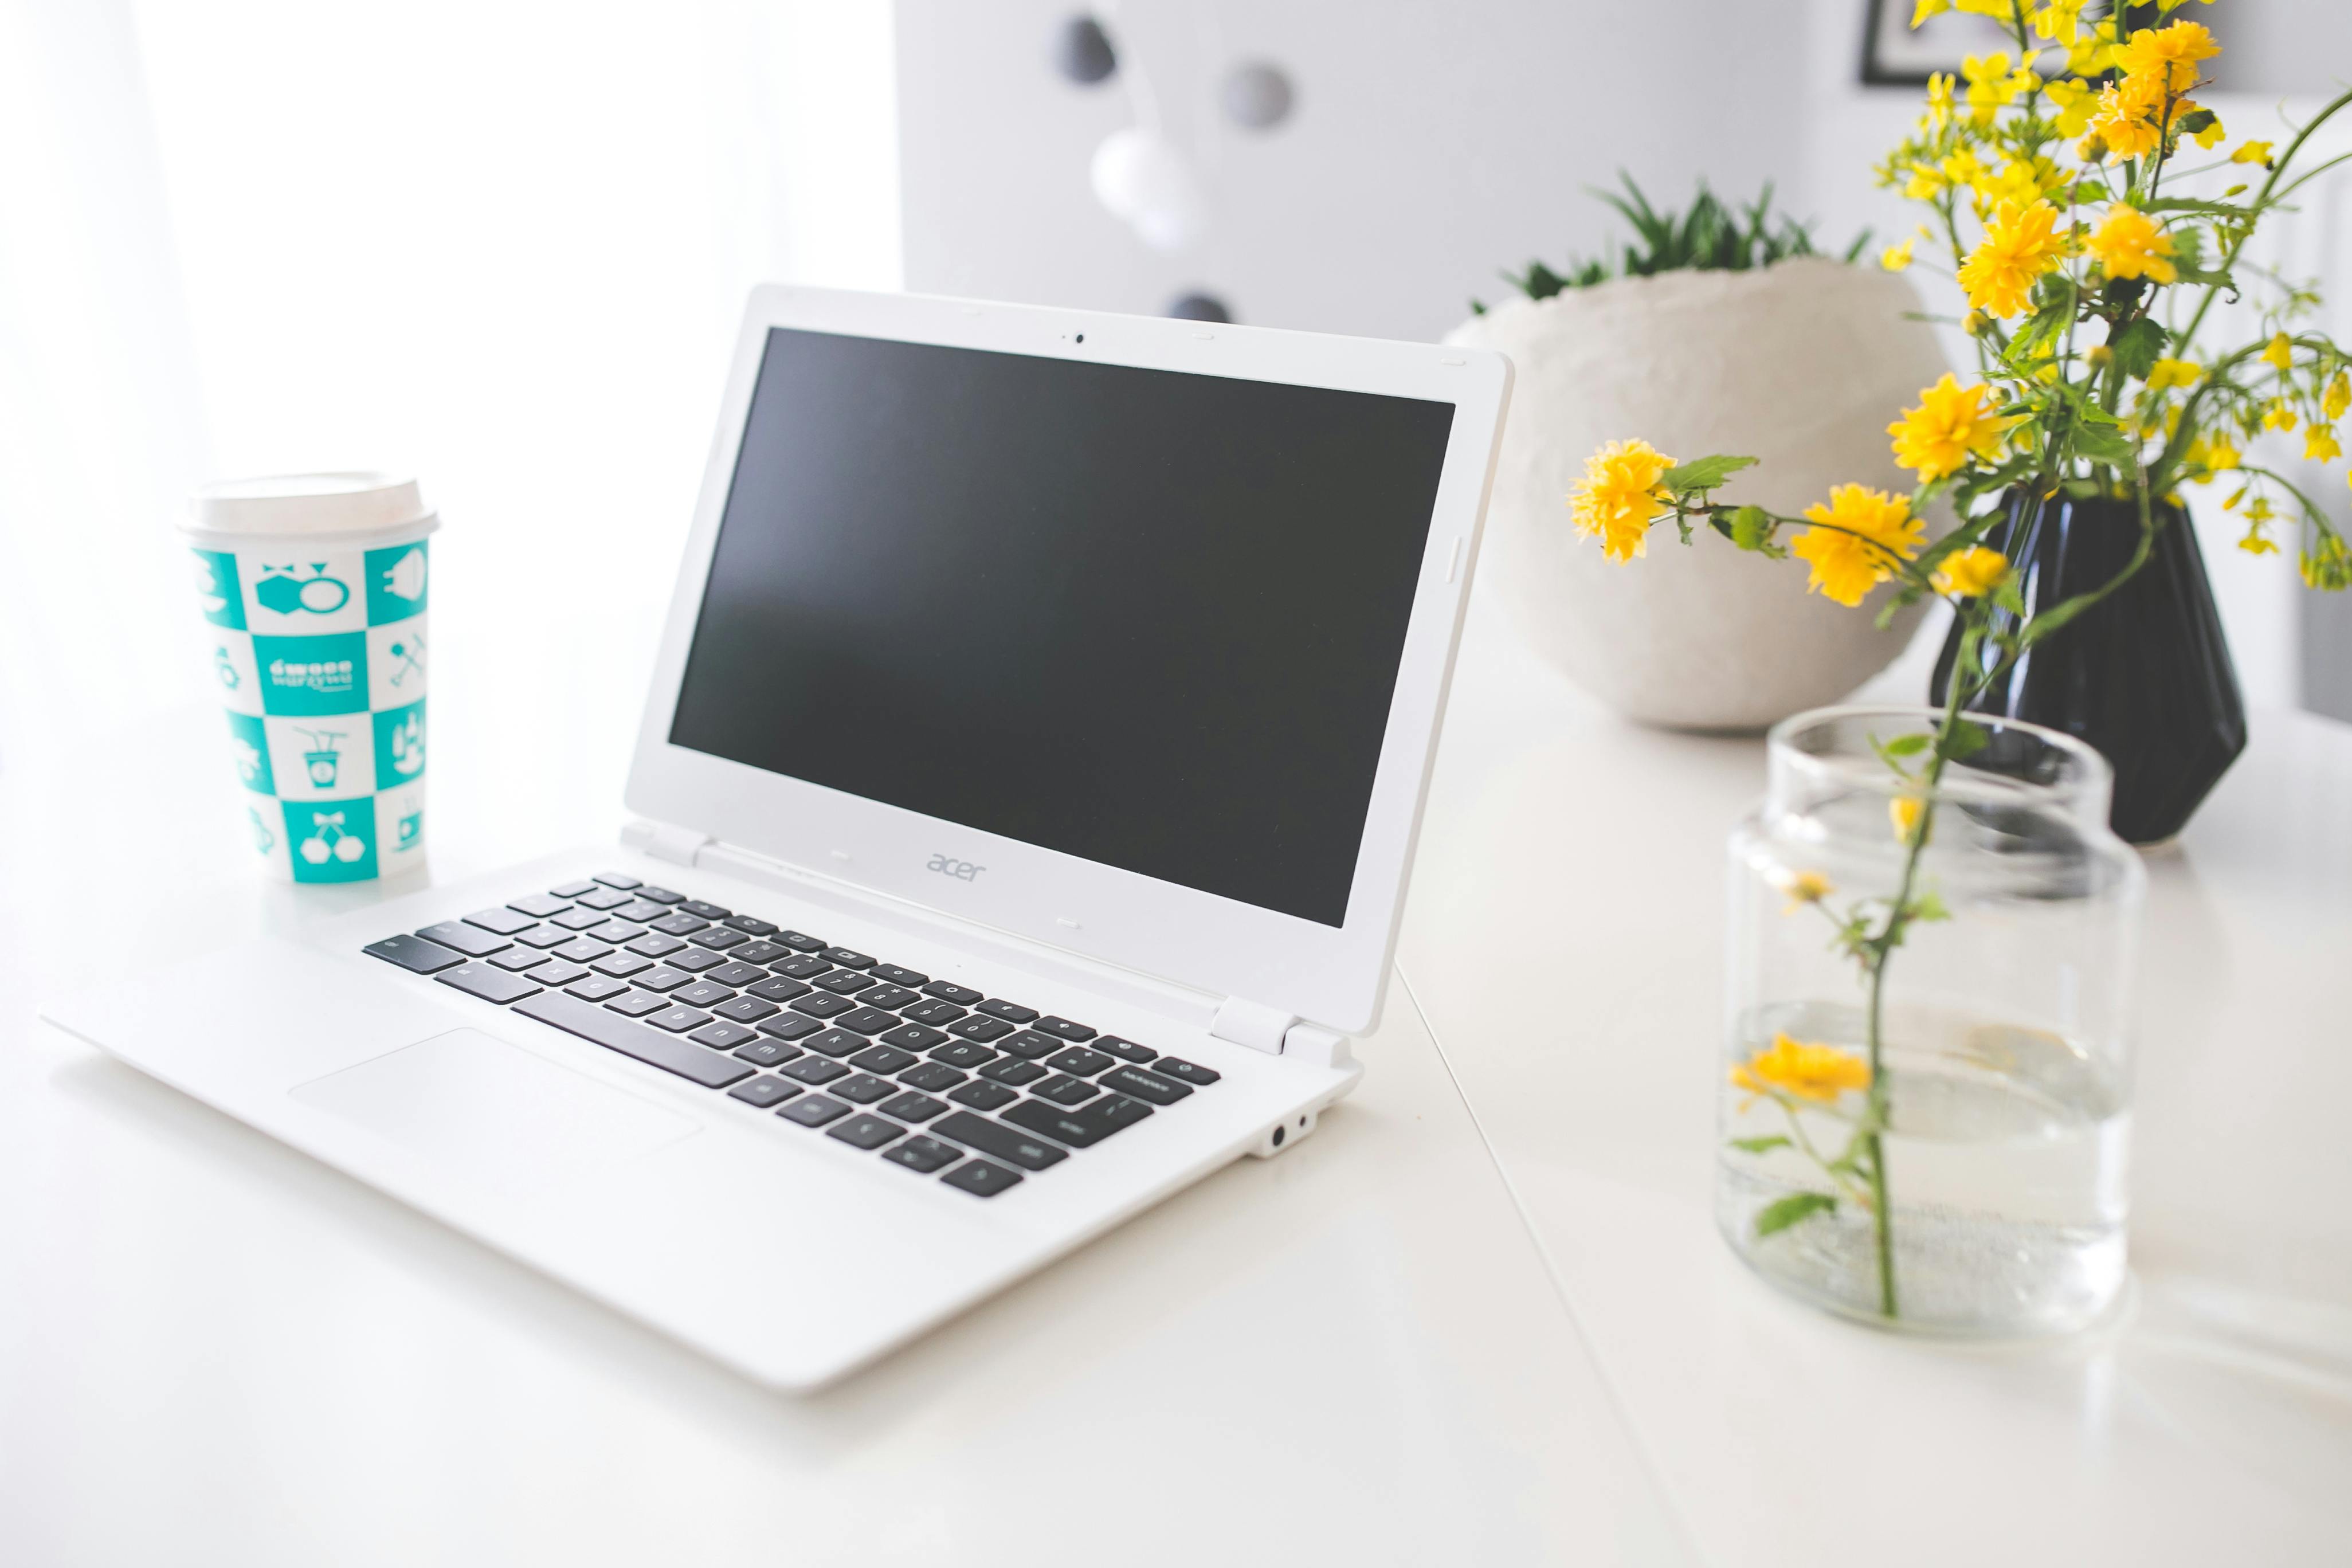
(2253, 212)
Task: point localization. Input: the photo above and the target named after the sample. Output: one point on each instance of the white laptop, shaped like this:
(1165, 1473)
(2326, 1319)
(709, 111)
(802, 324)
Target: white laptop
(1024, 804)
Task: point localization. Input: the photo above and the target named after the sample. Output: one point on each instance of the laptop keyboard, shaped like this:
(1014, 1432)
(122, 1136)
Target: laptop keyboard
(935, 1078)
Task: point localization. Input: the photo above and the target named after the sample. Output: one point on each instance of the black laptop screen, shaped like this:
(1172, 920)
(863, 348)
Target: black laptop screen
(1148, 618)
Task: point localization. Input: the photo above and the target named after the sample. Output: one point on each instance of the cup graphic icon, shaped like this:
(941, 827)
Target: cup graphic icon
(281, 591)
(411, 828)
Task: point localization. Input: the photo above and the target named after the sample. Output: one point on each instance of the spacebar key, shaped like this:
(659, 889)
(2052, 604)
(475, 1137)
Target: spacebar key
(615, 1033)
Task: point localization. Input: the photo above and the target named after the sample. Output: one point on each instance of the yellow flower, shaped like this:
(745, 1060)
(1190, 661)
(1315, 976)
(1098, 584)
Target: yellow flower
(2061, 21)
(2278, 416)
(2131, 118)
(2337, 399)
(2280, 352)
(2018, 249)
(1865, 532)
(1965, 168)
(2327, 564)
(1902, 813)
(1804, 887)
(1620, 497)
(1951, 425)
(2212, 135)
(2073, 100)
(1807, 1069)
(1940, 99)
(2170, 373)
(2215, 457)
(2094, 51)
(2253, 152)
(2022, 180)
(1927, 8)
(2319, 444)
(2168, 56)
(1925, 183)
(2257, 543)
(1989, 84)
(2131, 245)
(1972, 573)
(1895, 257)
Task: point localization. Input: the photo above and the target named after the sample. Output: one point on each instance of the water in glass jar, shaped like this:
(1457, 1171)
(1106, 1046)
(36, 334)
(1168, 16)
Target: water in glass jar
(2004, 1168)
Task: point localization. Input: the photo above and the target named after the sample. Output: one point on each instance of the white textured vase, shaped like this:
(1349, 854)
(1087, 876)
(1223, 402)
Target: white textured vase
(1802, 365)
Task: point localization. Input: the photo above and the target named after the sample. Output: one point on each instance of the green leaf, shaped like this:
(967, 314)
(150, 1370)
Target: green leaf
(1762, 1145)
(2102, 444)
(1703, 473)
(1930, 906)
(1966, 739)
(1904, 746)
(1751, 528)
(2139, 346)
(1788, 1211)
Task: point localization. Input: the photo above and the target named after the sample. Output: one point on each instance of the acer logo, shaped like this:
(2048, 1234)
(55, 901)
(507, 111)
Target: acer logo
(947, 866)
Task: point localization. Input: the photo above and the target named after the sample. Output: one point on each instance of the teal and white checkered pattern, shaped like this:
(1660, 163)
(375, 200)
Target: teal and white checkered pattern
(321, 658)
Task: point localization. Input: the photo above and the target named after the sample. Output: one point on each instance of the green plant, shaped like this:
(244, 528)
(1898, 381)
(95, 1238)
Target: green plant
(1709, 236)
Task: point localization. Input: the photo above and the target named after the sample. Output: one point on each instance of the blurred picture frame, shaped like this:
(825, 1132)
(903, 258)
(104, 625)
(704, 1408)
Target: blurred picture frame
(1894, 55)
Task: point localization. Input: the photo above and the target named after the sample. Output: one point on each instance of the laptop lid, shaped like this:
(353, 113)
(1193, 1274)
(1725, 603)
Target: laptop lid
(1125, 635)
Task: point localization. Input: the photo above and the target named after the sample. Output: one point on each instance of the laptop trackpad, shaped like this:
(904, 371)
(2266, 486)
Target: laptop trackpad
(467, 1096)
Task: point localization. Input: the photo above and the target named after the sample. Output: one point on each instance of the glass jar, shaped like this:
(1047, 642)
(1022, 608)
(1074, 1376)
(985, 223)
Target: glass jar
(1926, 1090)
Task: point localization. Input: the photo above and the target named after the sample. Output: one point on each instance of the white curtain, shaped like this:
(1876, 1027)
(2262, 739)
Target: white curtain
(501, 245)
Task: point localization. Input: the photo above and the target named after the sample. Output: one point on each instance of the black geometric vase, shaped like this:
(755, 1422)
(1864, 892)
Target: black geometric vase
(2144, 676)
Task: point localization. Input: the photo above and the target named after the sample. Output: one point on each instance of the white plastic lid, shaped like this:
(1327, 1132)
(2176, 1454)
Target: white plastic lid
(357, 502)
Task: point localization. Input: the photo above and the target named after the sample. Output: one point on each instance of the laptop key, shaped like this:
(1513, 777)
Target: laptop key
(977, 1027)
(866, 1020)
(961, 995)
(596, 988)
(538, 906)
(982, 1179)
(922, 1154)
(544, 936)
(736, 974)
(719, 938)
(913, 1037)
(844, 980)
(1081, 1128)
(800, 940)
(505, 922)
(1063, 1030)
(1078, 1061)
(814, 1069)
(665, 979)
(663, 896)
(752, 927)
(763, 1091)
(471, 940)
(850, 958)
(639, 910)
(621, 965)
(723, 1036)
(864, 1089)
(676, 924)
(822, 1005)
(1011, 1012)
(865, 1131)
(603, 899)
(964, 1054)
(702, 994)
(678, 1020)
(580, 920)
(518, 958)
(703, 910)
(1029, 1043)
(415, 953)
(768, 1053)
(835, 1042)
(936, 1014)
(489, 984)
(616, 880)
(554, 972)
(801, 968)
(1185, 1072)
(744, 1009)
(1031, 1154)
(935, 1078)
(1143, 1085)
(1012, 1069)
(694, 960)
(985, 1096)
(761, 952)
(1125, 1050)
(636, 1004)
(654, 945)
(898, 975)
(614, 932)
(776, 988)
(651, 1047)
(891, 996)
(884, 1058)
(912, 1107)
(814, 1110)
(1066, 1090)
(571, 889)
(582, 950)
(789, 1027)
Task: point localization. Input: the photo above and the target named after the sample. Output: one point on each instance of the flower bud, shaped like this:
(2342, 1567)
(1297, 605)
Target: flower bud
(2101, 356)
(1976, 324)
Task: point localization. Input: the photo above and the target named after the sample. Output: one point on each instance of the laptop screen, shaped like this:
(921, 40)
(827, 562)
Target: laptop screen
(1145, 617)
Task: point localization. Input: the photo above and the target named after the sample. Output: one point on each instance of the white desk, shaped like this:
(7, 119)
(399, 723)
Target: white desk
(1564, 940)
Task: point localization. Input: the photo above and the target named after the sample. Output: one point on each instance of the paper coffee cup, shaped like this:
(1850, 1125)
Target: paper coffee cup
(313, 588)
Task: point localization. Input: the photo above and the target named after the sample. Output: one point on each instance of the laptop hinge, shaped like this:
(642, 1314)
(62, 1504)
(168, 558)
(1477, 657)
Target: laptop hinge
(679, 846)
(1279, 1034)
